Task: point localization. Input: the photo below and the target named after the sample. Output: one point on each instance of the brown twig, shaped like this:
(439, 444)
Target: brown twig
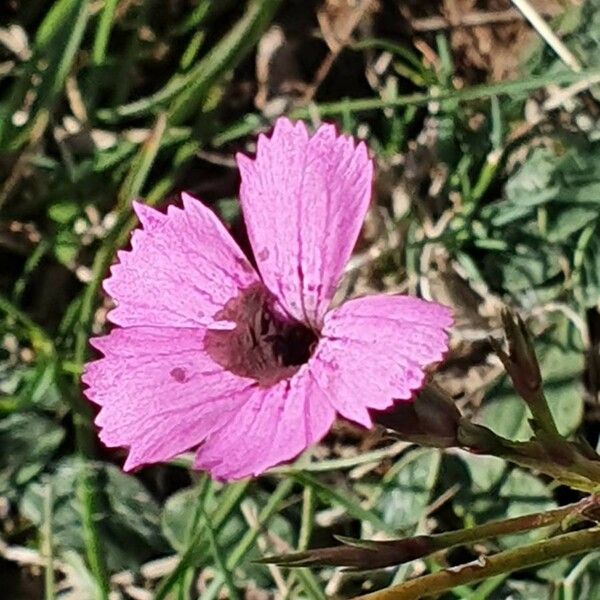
(472, 19)
(336, 42)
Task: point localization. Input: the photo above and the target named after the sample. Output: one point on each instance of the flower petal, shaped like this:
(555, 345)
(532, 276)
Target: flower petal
(374, 350)
(160, 393)
(304, 200)
(274, 425)
(182, 269)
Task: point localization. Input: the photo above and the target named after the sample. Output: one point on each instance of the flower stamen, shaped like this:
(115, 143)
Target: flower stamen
(264, 345)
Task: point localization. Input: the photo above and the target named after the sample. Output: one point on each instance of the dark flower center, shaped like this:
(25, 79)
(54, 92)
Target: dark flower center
(264, 345)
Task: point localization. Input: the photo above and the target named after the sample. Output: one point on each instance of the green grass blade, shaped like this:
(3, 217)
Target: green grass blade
(222, 58)
(131, 188)
(103, 32)
(249, 123)
(231, 498)
(196, 17)
(305, 576)
(337, 464)
(249, 539)
(141, 165)
(86, 492)
(39, 339)
(188, 91)
(48, 545)
(220, 562)
(57, 42)
(281, 492)
(345, 499)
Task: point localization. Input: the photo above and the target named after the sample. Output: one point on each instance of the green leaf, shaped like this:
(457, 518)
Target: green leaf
(550, 207)
(562, 371)
(523, 493)
(530, 267)
(522, 590)
(505, 413)
(39, 387)
(563, 224)
(28, 442)
(66, 247)
(485, 471)
(477, 498)
(180, 518)
(533, 184)
(407, 488)
(63, 212)
(127, 517)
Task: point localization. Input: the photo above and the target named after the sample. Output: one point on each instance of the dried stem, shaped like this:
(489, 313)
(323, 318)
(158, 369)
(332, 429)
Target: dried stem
(544, 30)
(475, 18)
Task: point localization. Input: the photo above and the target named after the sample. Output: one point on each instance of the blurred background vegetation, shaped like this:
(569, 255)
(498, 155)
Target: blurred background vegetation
(487, 147)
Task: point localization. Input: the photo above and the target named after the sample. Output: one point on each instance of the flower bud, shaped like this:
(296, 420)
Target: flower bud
(359, 554)
(431, 419)
(523, 368)
(521, 362)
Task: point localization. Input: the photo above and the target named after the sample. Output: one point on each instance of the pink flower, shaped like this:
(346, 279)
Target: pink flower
(250, 367)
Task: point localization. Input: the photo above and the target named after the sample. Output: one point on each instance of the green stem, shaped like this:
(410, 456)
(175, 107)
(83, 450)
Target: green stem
(231, 499)
(377, 554)
(507, 526)
(249, 123)
(241, 550)
(93, 546)
(280, 493)
(485, 178)
(579, 473)
(305, 576)
(218, 558)
(47, 545)
(471, 93)
(508, 561)
(308, 513)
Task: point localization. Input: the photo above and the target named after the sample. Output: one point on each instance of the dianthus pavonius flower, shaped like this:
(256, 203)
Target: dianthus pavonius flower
(249, 365)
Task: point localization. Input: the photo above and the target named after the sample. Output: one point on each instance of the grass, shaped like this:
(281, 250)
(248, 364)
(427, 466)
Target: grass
(487, 193)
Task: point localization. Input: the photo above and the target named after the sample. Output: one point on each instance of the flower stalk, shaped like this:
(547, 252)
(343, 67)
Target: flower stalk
(523, 368)
(372, 554)
(432, 419)
(572, 469)
(535, 554)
